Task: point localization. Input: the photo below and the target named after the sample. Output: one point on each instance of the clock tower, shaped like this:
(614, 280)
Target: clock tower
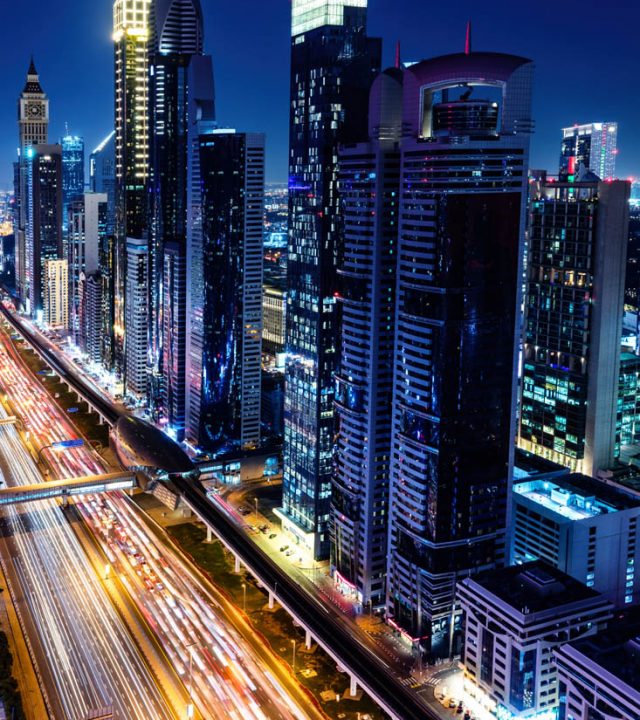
(33, 112)
(33, 126)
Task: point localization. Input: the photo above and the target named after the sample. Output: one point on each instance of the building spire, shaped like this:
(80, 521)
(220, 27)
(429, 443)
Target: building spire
(32, 67)
(398, 61)
(467, 42)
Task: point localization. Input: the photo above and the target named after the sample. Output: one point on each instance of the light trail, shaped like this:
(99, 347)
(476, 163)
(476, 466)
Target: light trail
(226, 676)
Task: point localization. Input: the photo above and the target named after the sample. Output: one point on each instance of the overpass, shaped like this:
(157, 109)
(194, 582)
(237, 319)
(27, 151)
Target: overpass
(65, 370)
(321, 623)
(67, 488)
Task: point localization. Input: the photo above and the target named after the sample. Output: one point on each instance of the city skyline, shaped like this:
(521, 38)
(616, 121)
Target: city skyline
(592, 96)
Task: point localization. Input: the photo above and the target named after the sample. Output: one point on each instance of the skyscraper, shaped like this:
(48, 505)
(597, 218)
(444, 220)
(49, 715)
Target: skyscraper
(369, 191)
(43, 236)
(224, 388)
(463, 190)
(137, 316)
(177, 35)
(592, 145)
(102, 176)
(131, 36)
(33, 124)
(333, 64)
(85, 232)
(72, 175)
(578, 236)
(55, 299)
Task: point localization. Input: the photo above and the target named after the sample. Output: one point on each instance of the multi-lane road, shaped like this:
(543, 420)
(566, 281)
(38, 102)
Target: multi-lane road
(206, 641)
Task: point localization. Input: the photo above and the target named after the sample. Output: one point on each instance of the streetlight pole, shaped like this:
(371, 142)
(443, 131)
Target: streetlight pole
(294, 656)
(244, 597)
(256, 502)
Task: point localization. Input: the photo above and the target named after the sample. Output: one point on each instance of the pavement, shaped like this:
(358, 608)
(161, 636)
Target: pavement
(23, 671)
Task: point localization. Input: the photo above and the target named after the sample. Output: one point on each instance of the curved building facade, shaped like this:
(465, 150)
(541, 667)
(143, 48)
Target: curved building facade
(466, 125)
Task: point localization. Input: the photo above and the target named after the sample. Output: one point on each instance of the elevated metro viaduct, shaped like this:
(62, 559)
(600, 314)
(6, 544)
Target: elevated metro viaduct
(143, 448)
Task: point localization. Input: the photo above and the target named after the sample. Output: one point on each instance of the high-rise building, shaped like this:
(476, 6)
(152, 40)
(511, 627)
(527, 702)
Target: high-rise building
(176, 37)
(369, 191)
(463, 191)
(223, 400)
(592, 145)
(273, 318)
(55, 296)
(43, 236)
(107, 262)
(333, 64)
(131, 37)
(628, 415)
(583, 527)
(513, 619)
(73, 186)
(33, 124)
(102, 169)
(85, 232)
(137, 317)
(578, 234)
(91, 317)
(599, 677)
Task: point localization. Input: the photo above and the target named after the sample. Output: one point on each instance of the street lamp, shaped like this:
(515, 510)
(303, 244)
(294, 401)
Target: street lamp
(256, 502)
(244, 597)
(294, 656)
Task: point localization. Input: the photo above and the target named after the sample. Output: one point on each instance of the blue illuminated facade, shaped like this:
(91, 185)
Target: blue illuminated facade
(332, 68)
(465, 148)
(73, 185)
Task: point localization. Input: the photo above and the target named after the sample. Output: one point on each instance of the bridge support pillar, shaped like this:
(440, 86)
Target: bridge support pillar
(65, 501)
(209, 535)
(308, 640)
(353, 689)
(272, 600)
(237, 566)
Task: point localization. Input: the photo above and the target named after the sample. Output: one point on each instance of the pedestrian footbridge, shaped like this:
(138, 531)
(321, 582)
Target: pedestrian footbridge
(67, 488)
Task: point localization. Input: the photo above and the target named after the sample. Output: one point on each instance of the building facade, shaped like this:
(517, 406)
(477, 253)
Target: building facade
(73, 185)
(33, 125)
(369, 181)
(513, 620)
(273, 317)
(463, 192)
(91, 317)
(578, 234)
(333, 64)
(585, 528)
(131, 36)
(86, 229)
(137, 318)
(599, 677)
(224, 399)
(593, 145)
(55, 297)
(102, 176)
(43, 236)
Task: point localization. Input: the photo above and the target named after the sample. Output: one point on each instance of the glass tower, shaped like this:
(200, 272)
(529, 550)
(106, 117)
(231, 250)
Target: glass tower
(465, 148)
(131, 35)
(224, 403)
(593, 145)
(177, 36)
(102, 176)
(72, 175)
(578, 236)
(333, 64)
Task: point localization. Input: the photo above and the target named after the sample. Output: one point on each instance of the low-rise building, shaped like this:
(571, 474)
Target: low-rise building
(599, 678)
(583, 527)
(513, 619)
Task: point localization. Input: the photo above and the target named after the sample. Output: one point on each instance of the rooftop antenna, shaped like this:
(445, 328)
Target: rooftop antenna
(398, 63)
(467, 42)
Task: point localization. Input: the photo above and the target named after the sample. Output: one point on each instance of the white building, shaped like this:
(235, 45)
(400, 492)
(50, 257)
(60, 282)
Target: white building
(583, 527)
(56, 289)
(514, 618)
(599, 678)
(136, 318)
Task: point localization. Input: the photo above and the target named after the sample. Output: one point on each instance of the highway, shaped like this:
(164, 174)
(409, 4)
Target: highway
(224, 670)
(326, 625)
(84, 652)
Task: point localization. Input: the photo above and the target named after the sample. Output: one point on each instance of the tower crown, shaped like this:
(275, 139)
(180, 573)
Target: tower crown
(33, 80)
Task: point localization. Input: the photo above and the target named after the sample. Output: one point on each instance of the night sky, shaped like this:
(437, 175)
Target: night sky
(586, 55)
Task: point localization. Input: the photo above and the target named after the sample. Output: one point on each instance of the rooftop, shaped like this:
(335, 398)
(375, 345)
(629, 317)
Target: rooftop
(575, 497)
(534, 587)
(617, 649)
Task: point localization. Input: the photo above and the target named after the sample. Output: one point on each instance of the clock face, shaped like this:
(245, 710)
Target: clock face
(34, 111)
